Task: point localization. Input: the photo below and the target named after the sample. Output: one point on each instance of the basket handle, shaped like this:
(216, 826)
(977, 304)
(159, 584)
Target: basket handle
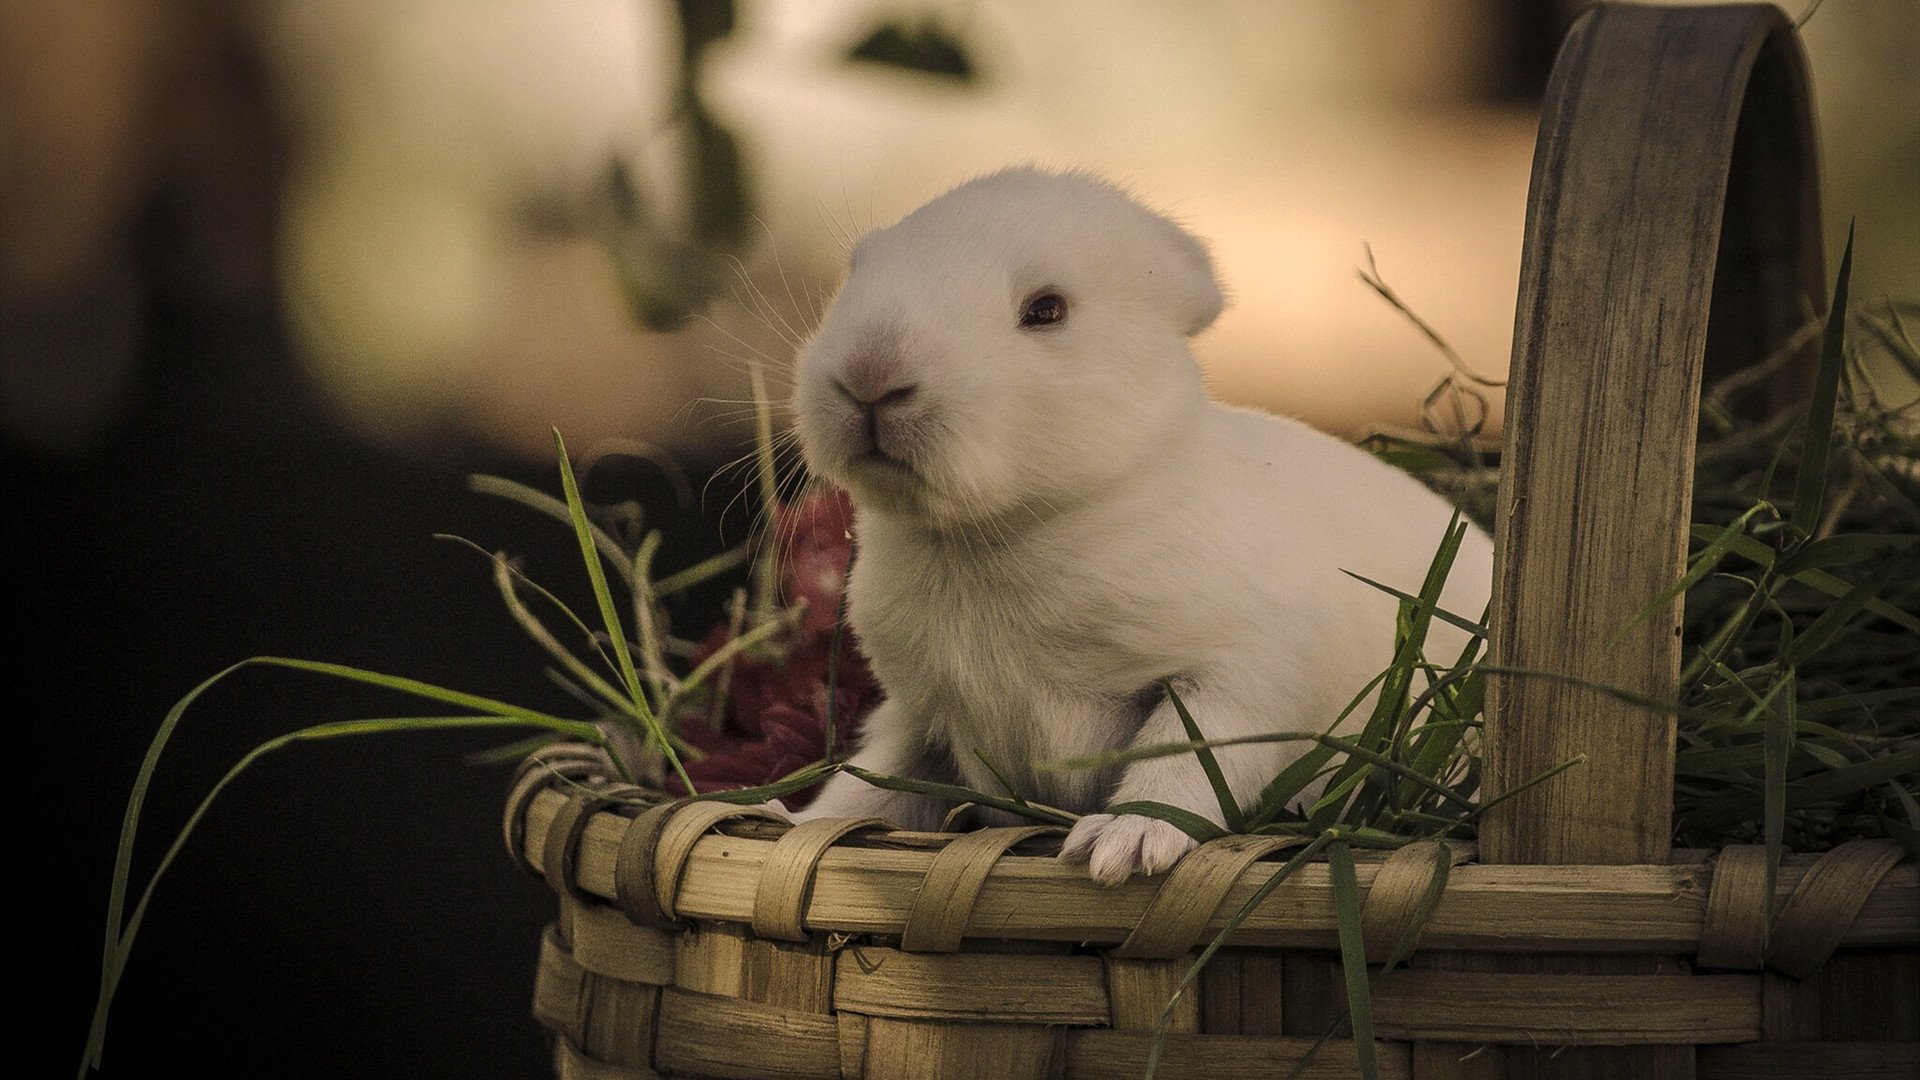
(1673, 232)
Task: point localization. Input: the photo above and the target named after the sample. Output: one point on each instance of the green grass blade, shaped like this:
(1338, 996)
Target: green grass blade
(956, 793)
(803, 777)
(1726, 810)
(1295, 777)
(1538, 778)
(1392, 702)
(1477, 629)
(1332, 743)
(1845, 549)
(1185, 820)
(999, 777)
(1131, 754)
(1353, 955)
(701, 572)
(552, 507)
(1810, 480)
(1835, 621)
(716, 660)
(1229, 806)
(1779, 748)
(596, 574)
(1701, 565)
(834, 646)
(1753, 550)
(1232, 924)
(1645, 701)
(504, 578)
(120, 937)
(1862, 701)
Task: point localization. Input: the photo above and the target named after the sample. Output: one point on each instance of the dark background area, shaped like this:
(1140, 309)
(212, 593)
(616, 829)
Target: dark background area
(347, 907)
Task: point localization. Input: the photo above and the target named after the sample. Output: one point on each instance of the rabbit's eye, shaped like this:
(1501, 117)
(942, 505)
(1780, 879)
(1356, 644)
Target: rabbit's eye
(1044, 310)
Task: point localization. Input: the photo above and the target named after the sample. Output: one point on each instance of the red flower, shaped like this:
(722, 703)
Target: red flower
(776, 702)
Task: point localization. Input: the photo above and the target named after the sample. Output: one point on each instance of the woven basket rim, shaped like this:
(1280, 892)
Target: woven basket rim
(864, 879)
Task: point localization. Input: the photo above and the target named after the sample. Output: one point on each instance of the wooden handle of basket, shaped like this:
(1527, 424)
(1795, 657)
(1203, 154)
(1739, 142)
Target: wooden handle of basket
(1672, 231)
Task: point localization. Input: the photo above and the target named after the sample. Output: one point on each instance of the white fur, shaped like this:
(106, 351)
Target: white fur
(1067, 518)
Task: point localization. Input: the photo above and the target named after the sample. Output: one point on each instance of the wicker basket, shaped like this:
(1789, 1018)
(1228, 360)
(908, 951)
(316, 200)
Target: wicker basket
(1675, 178)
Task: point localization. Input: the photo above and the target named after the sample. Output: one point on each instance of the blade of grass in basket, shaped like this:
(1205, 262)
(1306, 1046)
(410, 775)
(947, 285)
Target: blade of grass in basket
(1333, 743)
(766, 568)
(1477, 629)
(1753, 550)
(1866, 700)
(956, 793)
(1353, 955)
(1645, 701)
(1845, 549)
(1441, 740)
(341, 729)
(1778, 744)
(1731, 633)
(1907, 832)
(1295, 777)
(1719, 812)
(1839, 617)
(803, 777)
(703, 571)
(610, 616)
(1702, 564)
(716, 660)
(1179, 817)
(1000, 777)
(1417, 921)
(1391, 703)
(1233, 923)
(130, 822)
(504, 577)
(1229, 806)
(1538, 778)
(1810, 480)
(555, 508)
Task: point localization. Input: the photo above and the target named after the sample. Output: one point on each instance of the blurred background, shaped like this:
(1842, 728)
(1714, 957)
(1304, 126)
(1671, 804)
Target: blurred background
(276, 277)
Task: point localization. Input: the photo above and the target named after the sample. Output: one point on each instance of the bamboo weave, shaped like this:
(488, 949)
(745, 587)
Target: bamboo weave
(851, 950)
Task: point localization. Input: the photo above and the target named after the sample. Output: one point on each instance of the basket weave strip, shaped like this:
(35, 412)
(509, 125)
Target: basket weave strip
(943, 904)
(1592, 909)
(1117, 1055)
(535, 775)
(569, 1063)
(605, 941)
(654, 853)
(1734, 932)
(706, 1035)
(1011, 988)
(726, 959)
(786, 880)
(1406, 878)
(562, 849)
(935, 1048)
(1568, 1010)
(1176, 920)
(1824, 902)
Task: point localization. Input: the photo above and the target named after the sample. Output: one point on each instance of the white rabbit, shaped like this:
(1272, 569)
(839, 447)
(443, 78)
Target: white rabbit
(1052, 516)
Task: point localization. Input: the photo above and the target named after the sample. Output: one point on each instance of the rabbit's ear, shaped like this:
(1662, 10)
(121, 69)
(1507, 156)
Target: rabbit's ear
(1183, 272)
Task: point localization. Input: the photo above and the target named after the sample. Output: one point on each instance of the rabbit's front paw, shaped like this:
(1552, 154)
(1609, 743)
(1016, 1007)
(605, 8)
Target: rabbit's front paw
(1117, 846)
